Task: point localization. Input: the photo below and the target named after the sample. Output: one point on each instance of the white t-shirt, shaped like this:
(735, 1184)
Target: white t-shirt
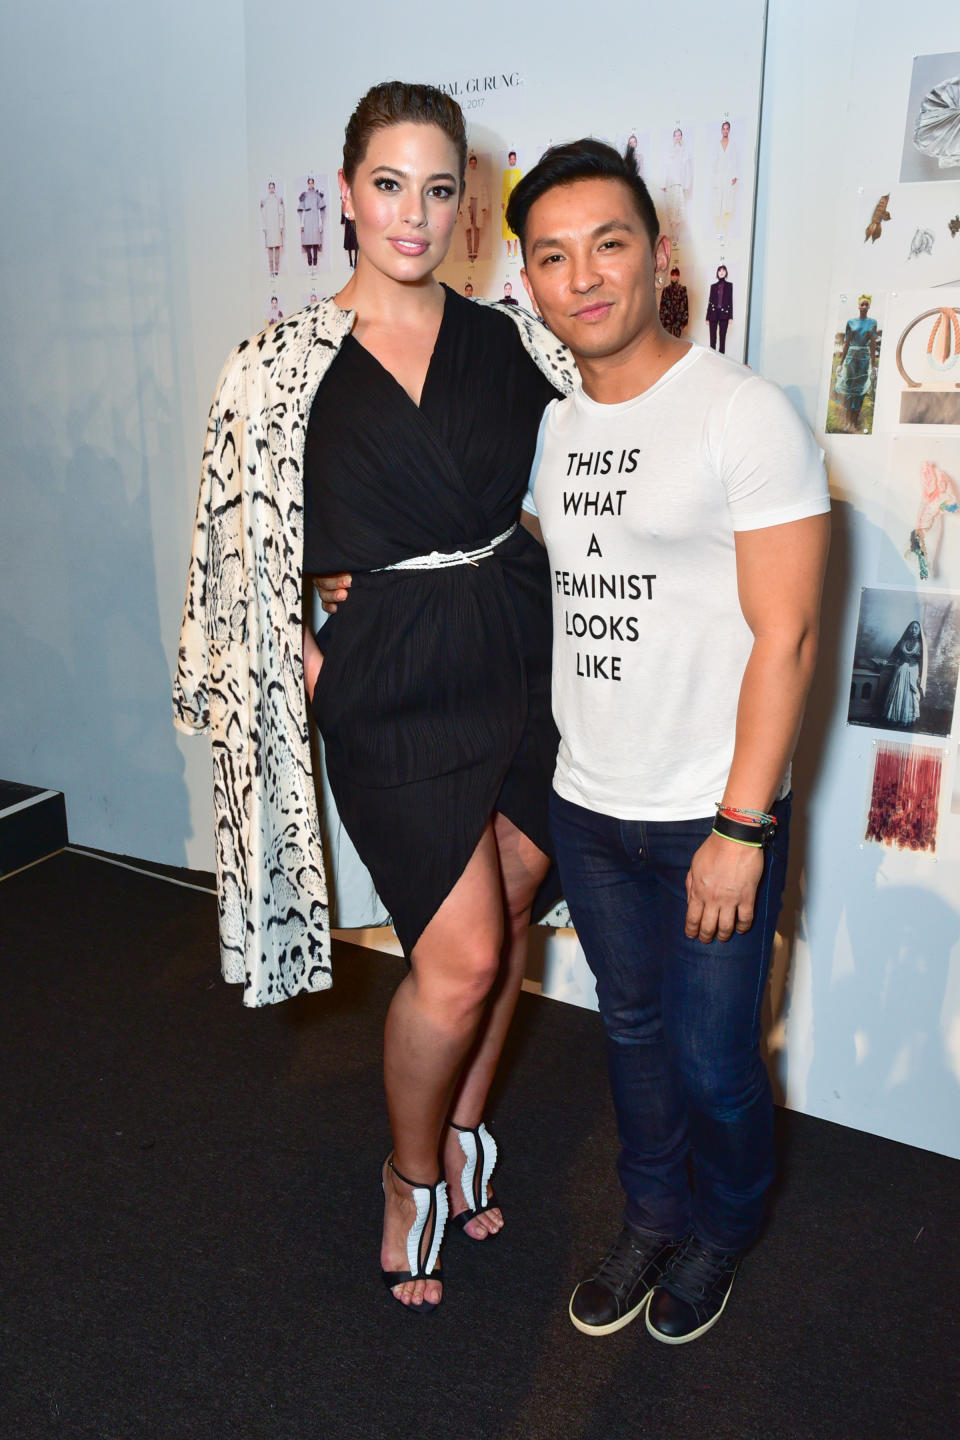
(639, 503)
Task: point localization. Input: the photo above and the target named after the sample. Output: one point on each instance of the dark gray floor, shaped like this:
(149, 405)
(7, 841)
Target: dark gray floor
(190, 1211)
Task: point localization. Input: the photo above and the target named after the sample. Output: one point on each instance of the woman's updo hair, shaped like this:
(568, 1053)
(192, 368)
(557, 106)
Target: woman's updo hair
(394, 103)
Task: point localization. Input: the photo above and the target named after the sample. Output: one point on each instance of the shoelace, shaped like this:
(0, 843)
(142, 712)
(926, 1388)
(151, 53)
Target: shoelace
(619, 1268)
(696, 1269)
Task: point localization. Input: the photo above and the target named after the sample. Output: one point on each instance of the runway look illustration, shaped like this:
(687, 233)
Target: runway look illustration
(399, 420)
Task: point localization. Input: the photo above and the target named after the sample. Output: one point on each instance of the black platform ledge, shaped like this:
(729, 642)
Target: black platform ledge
(33, 824)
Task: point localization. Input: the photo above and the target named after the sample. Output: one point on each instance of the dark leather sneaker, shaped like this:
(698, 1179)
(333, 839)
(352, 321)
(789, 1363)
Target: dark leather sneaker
(693, 1293)
(621, 1284)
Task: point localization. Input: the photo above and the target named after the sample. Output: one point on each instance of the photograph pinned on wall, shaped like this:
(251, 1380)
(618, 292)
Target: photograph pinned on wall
(675, 303)
(922, 385)
(673, 194)
(720, 313)
(309, 297)
(639, 142)
(474, 234)
(931, 141)
(905, 662)
(273, 224)
(903, 806)
(349, 228)
(922, 511)
(273, 310)
(854, 364)
(312, 217)
(726, 152)
(510, 176)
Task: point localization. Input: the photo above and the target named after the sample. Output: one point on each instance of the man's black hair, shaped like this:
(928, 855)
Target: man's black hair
(586, 159)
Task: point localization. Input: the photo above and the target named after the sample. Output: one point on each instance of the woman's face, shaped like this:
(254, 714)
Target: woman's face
(913, 630)
(404, 198)
(721, 272)
(678, 136)
(864, 307)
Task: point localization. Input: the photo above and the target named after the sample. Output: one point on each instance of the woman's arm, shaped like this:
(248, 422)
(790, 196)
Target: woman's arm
(312, 660)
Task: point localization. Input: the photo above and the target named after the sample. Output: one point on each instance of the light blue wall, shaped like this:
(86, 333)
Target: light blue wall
(122, 285)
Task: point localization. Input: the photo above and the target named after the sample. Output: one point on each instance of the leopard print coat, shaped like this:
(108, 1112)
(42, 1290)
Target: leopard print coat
(240, 668)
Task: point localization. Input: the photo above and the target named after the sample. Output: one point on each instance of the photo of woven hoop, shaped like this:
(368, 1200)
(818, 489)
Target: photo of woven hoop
(934, 399)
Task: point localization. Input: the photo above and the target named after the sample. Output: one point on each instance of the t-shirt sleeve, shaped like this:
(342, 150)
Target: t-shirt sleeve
(770, 463)
(528, 503)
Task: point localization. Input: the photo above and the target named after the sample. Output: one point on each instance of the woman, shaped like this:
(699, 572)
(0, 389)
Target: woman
(904, 690)
(400, 420)
(857, 365)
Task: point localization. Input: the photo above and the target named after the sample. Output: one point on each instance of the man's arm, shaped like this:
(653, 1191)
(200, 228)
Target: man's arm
(779, 579)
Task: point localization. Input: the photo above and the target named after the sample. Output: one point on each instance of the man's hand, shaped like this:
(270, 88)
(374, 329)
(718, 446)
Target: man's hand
(332, 588)
(721, 889)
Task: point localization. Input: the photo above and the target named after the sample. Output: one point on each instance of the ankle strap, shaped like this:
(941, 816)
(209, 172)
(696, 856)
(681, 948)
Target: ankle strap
(465, 1129)
(414, 1184)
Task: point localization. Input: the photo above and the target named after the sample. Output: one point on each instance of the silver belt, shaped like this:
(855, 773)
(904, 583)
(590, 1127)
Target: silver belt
(440, 560)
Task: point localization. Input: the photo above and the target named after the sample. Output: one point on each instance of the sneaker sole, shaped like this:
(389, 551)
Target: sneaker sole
(614, 1325)
(694, 1334)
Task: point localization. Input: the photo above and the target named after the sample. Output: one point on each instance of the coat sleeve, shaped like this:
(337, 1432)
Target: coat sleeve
(191, 704)
(549, 354)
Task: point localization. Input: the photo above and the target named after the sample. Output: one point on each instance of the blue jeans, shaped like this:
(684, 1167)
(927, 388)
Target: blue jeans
(682, 1021)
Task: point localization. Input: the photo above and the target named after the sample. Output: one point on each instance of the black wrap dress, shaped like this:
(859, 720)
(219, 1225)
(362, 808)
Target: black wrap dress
(434, 696)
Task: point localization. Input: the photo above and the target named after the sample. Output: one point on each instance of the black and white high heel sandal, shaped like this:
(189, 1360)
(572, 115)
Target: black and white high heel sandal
(480, 1156)
(423, 1238)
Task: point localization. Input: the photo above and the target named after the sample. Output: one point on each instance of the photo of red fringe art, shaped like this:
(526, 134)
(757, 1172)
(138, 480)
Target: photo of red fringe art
(904, 800)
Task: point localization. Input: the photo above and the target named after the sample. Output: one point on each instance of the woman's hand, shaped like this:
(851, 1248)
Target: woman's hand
(332, 588)
(312, 660)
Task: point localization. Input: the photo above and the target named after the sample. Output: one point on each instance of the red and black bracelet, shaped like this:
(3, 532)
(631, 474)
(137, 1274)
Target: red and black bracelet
(747, 827)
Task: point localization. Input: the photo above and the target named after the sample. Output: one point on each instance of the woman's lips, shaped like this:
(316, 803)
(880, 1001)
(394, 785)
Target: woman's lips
(408, 247)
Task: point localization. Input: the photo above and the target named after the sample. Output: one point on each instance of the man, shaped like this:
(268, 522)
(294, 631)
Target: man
(720, 308)
(683, 505)
(674, 307)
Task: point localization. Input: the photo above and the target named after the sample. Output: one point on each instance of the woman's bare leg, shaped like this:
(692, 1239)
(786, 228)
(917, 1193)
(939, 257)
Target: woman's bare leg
(431, 1026)
(522, 868)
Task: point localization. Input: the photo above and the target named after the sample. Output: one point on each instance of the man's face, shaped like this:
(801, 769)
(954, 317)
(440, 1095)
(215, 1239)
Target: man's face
(590, 267)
